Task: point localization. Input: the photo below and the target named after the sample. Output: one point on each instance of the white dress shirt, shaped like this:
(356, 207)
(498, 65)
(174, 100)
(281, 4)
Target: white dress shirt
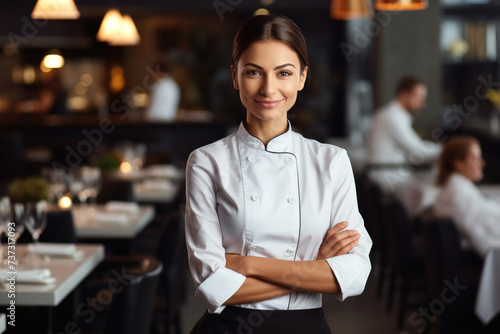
(278, 203)
(477, 218)
(164, 100)
(393, 141)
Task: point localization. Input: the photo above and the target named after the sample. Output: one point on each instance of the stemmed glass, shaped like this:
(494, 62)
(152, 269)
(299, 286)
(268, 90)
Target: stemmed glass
(18, 218)
(93, 178)
(36, 221)
(5, 219)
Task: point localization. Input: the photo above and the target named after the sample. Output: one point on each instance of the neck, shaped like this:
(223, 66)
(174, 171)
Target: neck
(266, 130)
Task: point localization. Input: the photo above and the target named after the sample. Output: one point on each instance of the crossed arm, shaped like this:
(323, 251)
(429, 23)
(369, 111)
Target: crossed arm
(270, 278)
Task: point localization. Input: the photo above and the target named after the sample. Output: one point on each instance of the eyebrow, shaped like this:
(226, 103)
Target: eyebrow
(276, 68)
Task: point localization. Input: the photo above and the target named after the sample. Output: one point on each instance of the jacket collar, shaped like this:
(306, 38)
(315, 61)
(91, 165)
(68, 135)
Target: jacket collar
(279, 143)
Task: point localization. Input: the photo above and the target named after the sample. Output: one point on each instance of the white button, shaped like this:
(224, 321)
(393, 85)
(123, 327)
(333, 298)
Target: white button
(291, 200)
(289, 252)
(251, 158)
(252, 246)
(288, 160)
(255, 198)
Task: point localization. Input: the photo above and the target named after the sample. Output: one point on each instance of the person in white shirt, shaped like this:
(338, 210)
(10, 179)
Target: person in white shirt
(272, 220)
(393, 146)
(477, 218)
(165, 95)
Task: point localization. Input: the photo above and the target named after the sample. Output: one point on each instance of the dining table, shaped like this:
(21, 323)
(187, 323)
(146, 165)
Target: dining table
(67, 270)
(3, 323)
(111, 226)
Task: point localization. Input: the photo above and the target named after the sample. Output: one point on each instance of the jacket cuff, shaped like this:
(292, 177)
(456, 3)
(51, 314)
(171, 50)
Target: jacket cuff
(351, 274)
(218, 288)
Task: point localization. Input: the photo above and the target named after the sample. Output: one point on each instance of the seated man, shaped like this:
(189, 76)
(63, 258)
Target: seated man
(393, 143)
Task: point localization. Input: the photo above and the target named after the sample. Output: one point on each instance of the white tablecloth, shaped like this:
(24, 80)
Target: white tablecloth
(488, 295)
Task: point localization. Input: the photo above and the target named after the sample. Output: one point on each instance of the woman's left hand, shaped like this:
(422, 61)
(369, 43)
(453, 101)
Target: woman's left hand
(237, 263)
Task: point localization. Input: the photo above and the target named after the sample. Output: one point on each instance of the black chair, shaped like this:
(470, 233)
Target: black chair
(124, 288)
(172, 253)
(60, 228)
(407, 262)
(116, 190)
(131, 310)
(446, 261)
(373, 200)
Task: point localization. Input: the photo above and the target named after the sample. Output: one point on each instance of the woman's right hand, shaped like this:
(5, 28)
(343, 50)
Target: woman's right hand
(338, 243)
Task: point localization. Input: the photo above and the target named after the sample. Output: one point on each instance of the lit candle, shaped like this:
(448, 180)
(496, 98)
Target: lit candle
(65, 202)
(125, 167)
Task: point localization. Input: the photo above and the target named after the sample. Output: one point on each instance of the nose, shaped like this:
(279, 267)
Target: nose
(268, 86)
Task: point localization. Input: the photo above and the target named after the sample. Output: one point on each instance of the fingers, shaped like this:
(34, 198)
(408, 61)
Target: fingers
(345, 246)
(334, 230)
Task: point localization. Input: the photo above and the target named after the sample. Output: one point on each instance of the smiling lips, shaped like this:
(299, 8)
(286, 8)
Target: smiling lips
(268, 104)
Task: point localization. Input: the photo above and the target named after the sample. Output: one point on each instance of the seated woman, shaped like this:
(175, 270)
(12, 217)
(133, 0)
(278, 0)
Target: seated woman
(477, 218)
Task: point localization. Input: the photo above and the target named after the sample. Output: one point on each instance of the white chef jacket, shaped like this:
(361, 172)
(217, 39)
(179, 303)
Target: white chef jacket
(477, 218)
(392, 140)
(277, 202)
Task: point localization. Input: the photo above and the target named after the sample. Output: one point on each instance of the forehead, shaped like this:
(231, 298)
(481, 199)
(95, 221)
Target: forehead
(271, 53)
(419, 89)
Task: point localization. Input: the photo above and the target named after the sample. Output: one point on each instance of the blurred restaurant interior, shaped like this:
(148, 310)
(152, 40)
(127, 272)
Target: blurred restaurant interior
(93, 154)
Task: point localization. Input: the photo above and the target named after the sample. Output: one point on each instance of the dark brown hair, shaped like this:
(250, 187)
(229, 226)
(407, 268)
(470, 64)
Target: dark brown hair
(456, 148)
(407, 83)
(270, 27)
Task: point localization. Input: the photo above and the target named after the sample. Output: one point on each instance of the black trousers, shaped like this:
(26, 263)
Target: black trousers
(237, 320)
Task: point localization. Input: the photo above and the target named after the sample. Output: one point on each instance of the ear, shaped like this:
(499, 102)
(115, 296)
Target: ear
(235, 77)
(303, 77)
(458, 165)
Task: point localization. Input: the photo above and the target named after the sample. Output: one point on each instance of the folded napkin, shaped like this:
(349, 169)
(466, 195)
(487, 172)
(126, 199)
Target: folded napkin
(52, 249)
(111, 217)
(155, 185)
(167, 171)
(118, 206)
(29, 276)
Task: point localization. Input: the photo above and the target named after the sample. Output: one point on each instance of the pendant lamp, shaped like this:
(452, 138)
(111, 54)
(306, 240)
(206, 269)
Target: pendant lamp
(117, 29)
(400, 5)
(55, 10)
(350, 9)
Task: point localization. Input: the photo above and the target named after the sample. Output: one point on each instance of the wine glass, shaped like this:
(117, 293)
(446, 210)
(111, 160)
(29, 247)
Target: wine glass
(15, 228)
(93, 178)
(36, 221)
(5, 219)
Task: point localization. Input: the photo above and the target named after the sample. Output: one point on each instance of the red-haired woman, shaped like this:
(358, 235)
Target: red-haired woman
(477, 218)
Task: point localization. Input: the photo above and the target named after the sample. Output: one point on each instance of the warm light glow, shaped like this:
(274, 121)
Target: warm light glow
(127, 34)
(87, 79)
(261, 11)
(350, 9)
(65, 202)
(109, 25)
(43, 68)
(29, 74)
(117, 29)
(117, 81)
(81, 88)
(400, 5)
(125, 167)
(266, 2)
(53, 61)
(55, 10)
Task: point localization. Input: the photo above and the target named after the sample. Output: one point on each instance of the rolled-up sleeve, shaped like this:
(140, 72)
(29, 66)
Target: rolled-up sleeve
(351, 270)
(214, 282)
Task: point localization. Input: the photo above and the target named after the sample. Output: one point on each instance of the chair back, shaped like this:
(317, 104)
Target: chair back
(399, 234)
(172, 253)
(116, 190)
(443, 254)
(374, 205)
(60, 228)
(131, 309)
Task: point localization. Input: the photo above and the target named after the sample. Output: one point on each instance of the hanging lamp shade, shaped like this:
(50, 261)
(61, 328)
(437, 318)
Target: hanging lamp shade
(128, 34)
(55, 10)
(400, 5)
(117, 29)
(110, 25)
(350, 9)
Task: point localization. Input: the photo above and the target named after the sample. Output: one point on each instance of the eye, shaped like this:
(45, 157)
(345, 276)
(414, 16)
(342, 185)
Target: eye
(285, 73)
(252, 72)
